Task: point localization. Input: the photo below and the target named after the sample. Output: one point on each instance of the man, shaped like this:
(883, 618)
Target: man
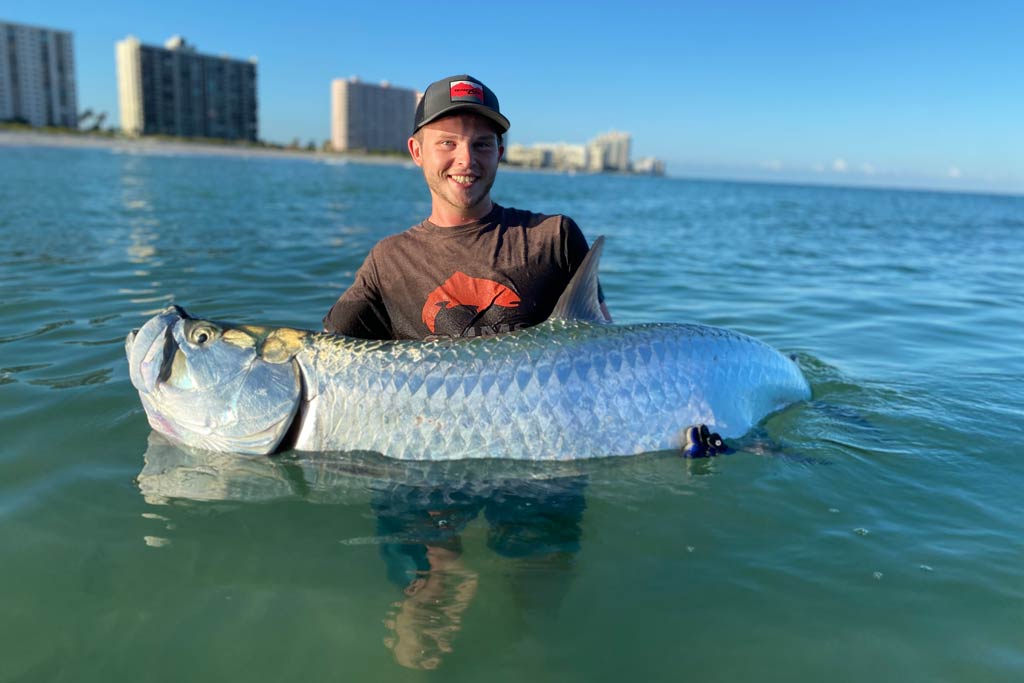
(472, 268)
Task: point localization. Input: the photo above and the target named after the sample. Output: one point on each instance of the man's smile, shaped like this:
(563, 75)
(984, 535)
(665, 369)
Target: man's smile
(466, 180)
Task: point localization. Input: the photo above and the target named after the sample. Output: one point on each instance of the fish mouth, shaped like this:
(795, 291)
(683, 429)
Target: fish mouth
(151, 349)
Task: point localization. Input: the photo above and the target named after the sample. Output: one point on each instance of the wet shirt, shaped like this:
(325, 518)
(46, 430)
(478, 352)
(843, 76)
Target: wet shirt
(501, 273)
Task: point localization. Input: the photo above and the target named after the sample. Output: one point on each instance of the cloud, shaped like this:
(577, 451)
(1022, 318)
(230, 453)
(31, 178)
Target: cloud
(954, 172)
(839, 166)
(867, 169)
(773, 165)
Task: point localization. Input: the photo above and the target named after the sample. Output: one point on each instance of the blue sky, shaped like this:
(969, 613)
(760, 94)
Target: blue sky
(902, 94)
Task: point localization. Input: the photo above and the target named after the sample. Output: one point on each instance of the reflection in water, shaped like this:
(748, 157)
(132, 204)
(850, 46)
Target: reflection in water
(534, 519)
(533, 514)
(137, 205)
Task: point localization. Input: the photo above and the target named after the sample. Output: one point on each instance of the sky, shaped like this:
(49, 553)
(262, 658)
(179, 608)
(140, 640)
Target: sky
(845, 92)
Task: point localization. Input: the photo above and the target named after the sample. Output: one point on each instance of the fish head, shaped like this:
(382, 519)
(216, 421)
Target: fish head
(215, 386)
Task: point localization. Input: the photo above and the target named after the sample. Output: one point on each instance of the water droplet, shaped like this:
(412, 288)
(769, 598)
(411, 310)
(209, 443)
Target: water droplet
(833, 510)
(690, 548)
(153, 515)
(926, 568)
(156, 541)
(877, 576)
(861, 531)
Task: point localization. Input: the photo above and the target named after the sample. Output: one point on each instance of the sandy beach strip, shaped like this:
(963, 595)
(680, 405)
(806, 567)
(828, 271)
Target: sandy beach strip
(163, 147)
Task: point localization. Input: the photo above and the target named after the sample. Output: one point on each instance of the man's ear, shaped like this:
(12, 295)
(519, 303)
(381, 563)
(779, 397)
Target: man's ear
(416, 151)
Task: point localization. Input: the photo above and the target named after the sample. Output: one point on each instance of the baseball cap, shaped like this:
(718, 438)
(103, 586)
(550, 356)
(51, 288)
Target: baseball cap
(455, 94)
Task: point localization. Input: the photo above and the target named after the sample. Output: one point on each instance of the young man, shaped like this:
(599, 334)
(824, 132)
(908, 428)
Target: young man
(472, 268)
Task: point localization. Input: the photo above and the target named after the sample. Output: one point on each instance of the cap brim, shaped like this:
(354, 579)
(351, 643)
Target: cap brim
(456, 107)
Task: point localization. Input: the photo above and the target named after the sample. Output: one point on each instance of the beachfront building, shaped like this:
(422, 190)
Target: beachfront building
(37, 76)
(609, 152)
(561, 156)
(371, 118)
(649, 166)
(175, 90)
(532, 156)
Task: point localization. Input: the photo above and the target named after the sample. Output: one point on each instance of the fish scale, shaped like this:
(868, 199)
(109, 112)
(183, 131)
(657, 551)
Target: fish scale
(563, 389)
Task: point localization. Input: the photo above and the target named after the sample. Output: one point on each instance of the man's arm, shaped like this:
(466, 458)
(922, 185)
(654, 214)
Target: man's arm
(360, 310)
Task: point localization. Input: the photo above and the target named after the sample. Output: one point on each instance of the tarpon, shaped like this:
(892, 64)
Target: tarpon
(571, 387)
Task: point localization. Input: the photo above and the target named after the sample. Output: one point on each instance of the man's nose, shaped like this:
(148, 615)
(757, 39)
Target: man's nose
(464, 155)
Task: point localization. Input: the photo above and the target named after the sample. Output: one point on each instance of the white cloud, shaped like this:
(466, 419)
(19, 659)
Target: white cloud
(839, 165)
(773, 165)
(954, 172)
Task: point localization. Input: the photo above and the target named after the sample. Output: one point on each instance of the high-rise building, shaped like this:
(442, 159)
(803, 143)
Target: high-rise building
(175, 90)
(372, 118)
(649, 166)
(37, 76)
(610, 152)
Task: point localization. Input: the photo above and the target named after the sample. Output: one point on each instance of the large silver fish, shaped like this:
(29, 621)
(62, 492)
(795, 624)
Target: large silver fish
(571, 387)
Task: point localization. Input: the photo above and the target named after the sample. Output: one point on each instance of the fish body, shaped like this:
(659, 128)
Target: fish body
(559, 390)
(569, 388)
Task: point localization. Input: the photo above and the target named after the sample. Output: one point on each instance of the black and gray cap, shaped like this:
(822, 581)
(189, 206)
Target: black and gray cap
(458, 93)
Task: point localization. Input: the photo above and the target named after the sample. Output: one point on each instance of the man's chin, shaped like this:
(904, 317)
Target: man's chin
(465, 203)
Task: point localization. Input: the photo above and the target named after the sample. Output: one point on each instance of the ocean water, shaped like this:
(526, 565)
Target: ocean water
(875, 532)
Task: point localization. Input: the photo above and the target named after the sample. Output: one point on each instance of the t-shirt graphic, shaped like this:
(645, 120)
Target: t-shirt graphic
(465, 303)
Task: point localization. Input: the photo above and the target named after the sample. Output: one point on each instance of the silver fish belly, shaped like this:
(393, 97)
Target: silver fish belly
(560, 390)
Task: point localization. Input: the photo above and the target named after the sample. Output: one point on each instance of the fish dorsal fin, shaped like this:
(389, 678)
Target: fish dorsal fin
(580, 300)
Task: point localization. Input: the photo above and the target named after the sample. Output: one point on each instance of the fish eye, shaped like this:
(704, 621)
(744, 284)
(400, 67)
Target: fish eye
(203, 334)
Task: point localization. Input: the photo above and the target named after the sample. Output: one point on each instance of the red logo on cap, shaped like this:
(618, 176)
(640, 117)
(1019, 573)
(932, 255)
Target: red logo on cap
(467, 90)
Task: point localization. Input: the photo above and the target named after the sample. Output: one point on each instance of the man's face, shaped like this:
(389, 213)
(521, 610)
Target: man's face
(459, 156)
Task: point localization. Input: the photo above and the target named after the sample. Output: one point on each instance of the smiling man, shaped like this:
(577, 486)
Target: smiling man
(472, 268)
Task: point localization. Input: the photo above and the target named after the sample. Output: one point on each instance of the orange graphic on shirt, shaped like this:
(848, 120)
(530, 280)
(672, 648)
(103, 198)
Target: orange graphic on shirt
(472, 292)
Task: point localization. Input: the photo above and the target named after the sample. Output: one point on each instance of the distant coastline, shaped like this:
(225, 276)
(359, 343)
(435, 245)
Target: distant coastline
(163, 146)
(157, 146)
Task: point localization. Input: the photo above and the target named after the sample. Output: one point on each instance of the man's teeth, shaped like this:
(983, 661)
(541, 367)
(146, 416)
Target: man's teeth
(463, 179)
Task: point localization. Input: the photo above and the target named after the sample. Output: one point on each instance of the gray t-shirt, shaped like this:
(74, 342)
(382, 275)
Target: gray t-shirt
(501, 273)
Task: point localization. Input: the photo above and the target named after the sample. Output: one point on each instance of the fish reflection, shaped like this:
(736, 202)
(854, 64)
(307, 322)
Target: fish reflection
(533, 515)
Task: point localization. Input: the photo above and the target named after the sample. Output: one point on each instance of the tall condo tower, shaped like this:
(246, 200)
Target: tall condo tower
(372, 118)
(175, 90)
(37, 76)
(610, 152)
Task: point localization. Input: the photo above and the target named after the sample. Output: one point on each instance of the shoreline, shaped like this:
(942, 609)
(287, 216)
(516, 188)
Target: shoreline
(158, 147)
(164, 147)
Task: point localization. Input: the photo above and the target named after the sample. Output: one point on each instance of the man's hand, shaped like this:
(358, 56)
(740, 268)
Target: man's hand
(703, 443)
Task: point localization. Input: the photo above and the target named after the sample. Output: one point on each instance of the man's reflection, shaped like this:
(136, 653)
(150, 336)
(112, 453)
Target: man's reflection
(536, 523)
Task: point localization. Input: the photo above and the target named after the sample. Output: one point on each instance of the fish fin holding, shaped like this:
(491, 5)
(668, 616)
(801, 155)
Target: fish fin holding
(580, 300)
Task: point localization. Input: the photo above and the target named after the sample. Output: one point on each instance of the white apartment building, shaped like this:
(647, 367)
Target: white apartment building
(37, 76)
(649, 166)
(610, 152)
(177, 91)
(371, 118)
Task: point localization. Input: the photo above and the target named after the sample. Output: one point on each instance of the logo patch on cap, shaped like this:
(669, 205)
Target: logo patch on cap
(466, 91)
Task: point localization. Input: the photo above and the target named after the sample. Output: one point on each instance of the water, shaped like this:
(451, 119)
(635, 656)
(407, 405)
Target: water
(874, 533)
